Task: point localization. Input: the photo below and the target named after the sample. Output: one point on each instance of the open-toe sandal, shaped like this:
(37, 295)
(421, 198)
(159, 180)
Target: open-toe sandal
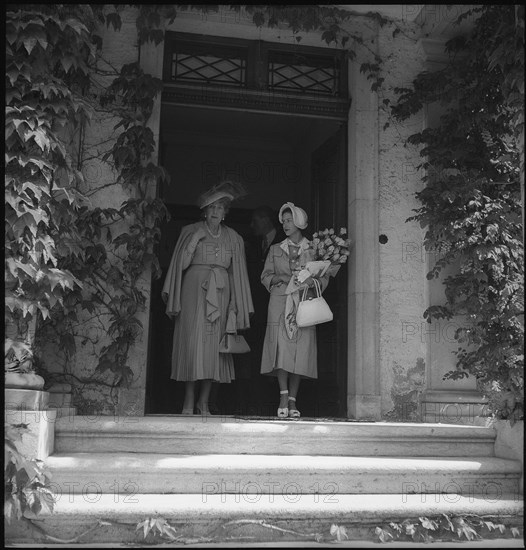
(293, 413)
(283, 412)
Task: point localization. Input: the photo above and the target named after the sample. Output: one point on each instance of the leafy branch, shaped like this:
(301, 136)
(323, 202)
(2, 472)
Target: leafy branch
(471, 200)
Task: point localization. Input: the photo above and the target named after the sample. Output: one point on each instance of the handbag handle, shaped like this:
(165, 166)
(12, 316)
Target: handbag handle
(318, 290)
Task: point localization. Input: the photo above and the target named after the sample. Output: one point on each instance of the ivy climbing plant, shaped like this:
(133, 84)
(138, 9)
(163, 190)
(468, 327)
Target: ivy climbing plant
(471, 201)
(66, 258)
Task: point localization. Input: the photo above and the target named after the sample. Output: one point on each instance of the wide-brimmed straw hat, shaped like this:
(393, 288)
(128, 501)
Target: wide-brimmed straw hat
(229, 190)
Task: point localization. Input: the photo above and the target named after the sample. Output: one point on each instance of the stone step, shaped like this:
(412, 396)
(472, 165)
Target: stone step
(113, 518)
(188, 435)
(209, 474)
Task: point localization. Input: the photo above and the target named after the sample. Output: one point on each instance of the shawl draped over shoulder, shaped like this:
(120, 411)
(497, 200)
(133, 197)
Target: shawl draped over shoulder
(241, 286)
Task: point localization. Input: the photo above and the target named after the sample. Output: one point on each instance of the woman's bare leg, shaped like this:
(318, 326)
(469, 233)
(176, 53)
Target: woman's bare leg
(294, 384)
(189, 392)
(283, 377)
(204, 395)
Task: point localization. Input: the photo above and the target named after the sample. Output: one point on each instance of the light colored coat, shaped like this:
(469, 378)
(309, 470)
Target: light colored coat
(199, 290)
(296, 355)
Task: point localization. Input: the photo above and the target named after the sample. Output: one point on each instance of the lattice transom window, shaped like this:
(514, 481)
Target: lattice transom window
(307, 75)
(225, 62)
(225, 68)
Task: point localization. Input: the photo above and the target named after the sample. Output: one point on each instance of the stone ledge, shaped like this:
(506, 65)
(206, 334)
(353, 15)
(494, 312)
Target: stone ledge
(354, 508)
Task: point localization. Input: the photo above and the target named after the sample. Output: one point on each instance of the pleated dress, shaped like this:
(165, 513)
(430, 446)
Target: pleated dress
(205, 297)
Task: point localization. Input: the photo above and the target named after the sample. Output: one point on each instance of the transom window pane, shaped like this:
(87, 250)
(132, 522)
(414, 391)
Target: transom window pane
(218, 68)
(302, 74)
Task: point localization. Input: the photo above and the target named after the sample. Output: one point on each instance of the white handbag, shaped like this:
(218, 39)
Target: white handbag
(313, 311)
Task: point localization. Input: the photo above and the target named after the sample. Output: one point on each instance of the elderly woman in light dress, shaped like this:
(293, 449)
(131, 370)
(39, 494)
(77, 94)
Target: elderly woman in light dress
(206, 286)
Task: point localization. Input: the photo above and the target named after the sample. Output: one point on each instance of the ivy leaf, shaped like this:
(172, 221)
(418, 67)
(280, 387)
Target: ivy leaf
(26, 221)
(67, 343)
(41, 139)
(383, 534)
(8, 509)
(428, 524)
(339, 532)
(67, 61)
(29, 44)
(145, 526)
(463, 528)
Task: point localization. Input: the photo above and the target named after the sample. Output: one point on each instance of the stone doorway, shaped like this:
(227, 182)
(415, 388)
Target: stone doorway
(279, 158)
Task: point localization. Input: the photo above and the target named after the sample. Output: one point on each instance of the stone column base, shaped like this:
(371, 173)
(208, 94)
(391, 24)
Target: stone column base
(38, 440)
(364, 407)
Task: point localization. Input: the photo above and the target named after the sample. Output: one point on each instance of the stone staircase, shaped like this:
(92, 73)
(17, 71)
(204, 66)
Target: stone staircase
(206, 474)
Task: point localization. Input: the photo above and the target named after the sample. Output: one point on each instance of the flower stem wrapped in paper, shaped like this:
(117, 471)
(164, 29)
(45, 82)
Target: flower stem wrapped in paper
(331, 250)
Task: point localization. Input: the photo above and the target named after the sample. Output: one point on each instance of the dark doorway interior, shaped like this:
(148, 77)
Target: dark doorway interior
(278, 158)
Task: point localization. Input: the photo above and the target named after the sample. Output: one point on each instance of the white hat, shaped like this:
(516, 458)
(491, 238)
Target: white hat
(299, 216)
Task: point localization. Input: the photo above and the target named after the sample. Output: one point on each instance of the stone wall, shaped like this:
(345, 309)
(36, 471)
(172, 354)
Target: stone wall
(119, 48)
(402, 268)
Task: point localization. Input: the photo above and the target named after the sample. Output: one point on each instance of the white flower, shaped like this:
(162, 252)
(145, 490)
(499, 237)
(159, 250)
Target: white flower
(331, 231)
(343, 231)
(335, 257)
(330, 249)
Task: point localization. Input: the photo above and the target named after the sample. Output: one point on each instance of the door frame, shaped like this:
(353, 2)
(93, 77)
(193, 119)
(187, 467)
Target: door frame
(363, 385)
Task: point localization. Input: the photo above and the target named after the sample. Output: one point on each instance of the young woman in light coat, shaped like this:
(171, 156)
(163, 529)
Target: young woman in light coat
(289, 352)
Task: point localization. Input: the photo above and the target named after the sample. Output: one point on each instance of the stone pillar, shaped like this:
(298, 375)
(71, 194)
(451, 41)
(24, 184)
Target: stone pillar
(363, 389)
(26, 412)
(132, 400)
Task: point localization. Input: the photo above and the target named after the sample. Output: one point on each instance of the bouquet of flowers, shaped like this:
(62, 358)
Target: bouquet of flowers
(331, 250)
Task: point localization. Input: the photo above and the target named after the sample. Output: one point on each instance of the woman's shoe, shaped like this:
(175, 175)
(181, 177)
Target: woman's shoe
(294, 413)
(202, 412)
(283, 412)
(187, 411)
